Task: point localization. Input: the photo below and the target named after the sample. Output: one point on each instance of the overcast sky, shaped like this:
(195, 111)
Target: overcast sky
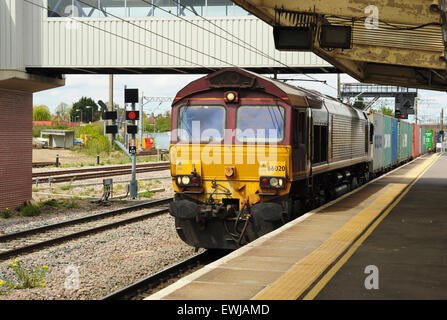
(97, 88)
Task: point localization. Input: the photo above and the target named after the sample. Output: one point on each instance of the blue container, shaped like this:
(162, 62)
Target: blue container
(394, 140)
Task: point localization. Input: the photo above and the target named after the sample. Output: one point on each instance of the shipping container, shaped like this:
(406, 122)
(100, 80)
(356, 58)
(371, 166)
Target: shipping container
(377, 149)
(416, 139)
(394, 141)
(424, 147)
(404, 141)
(410, 136)
(430, 142)
(421, 137)
(387, 133)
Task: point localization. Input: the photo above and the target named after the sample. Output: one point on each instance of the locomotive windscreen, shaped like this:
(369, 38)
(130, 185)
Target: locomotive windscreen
(201, 123)
(260, 123)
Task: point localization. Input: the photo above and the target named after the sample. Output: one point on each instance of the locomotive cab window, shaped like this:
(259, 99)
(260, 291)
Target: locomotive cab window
(201, 123)
(260, 124)
(320, 139)
(299, 127)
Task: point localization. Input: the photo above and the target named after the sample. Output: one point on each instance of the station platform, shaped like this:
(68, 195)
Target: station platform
(384, 240)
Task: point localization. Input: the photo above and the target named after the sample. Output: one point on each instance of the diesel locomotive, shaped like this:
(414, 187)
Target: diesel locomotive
(249, 153)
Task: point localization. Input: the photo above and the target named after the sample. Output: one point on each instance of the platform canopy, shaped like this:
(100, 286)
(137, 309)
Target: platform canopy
(393, 42)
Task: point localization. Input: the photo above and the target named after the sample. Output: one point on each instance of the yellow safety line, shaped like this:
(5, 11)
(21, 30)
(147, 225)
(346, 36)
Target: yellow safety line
(301, 276)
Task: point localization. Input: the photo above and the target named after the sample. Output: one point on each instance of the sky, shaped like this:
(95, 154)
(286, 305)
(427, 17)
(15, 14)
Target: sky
(96, 87)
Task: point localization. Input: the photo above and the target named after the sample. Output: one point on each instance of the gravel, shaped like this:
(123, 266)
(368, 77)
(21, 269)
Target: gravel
(82, 197)
(105, 262)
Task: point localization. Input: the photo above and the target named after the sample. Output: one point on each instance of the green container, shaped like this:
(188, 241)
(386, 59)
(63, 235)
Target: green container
(429, 139)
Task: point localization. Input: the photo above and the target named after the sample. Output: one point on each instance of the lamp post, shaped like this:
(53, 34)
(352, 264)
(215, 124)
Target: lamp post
(90, 107)
(81, 113)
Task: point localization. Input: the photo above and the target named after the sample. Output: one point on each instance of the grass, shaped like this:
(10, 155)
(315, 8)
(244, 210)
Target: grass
(68, 186)
(30, 210)
(146, 194)
(71, 205)
(50, 203)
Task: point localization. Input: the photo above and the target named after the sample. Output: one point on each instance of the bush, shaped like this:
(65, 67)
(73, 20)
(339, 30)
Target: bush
(30, 210)
(5, 214)
(97, 143)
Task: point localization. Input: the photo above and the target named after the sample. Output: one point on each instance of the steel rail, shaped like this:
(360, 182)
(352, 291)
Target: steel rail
(97, 174)
(99, 168)
(23, 234)
(141, 287)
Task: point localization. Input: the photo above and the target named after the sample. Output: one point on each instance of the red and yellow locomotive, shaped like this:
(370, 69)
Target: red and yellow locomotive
(250, 153)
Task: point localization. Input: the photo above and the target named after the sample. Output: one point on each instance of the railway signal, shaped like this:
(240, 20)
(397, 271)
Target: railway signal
(130, 96)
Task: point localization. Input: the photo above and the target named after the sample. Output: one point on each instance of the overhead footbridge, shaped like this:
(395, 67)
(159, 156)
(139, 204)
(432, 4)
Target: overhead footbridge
(392, 42)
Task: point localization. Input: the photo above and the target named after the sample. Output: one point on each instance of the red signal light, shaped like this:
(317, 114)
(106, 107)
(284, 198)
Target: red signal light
(265, 181)
(194, 180)
(132, 115)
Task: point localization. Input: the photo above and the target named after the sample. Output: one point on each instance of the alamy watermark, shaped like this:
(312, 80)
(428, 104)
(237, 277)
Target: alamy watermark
(372, 21)
(372, 280)
(72, 281)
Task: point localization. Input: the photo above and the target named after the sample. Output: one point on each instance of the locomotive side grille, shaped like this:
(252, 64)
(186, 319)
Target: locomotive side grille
(358, 138)
(341, 138)
(348, 138)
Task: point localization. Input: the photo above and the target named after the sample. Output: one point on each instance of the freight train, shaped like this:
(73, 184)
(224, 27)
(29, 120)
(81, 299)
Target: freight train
(249, 153)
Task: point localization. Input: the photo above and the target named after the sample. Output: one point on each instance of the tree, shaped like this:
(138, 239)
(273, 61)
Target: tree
(386, 111)
(163, 122)
(80, 109)
(41, 113)
(359, 103)
(159, 123)
(63, 111)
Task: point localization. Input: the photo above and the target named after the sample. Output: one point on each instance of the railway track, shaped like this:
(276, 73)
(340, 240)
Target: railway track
(89, 173)
(37, 238)
(155, 282)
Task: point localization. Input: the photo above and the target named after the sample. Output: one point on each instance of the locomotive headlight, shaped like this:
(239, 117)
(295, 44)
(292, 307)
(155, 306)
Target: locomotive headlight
(185, 180)
(179, 180)
(274, 182)
(280, 183)
(231, 97)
